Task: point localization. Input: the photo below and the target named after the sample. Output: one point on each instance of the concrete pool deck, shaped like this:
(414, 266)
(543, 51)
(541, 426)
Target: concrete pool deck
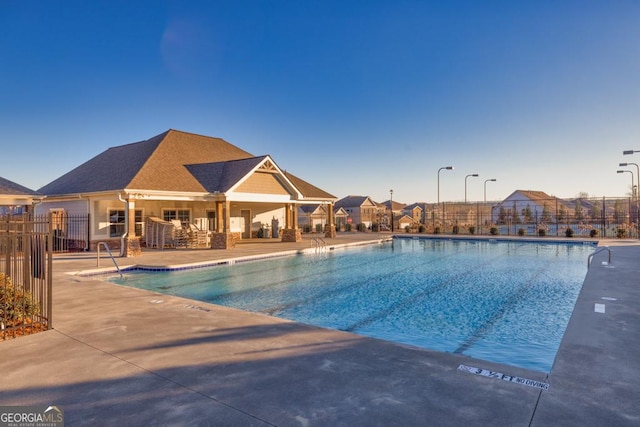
(124, 356)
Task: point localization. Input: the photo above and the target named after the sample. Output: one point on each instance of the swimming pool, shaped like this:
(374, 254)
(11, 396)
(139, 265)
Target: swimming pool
(507, 302)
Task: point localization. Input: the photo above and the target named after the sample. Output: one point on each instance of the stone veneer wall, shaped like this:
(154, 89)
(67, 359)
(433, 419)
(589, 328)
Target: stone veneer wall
(329, 231)
(224, 240)
(132, 246)
(291, 235)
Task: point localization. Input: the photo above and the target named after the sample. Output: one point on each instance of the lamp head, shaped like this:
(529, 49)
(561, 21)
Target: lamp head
(623, 164)
(449, 168)
(628, 152)
(620, 171)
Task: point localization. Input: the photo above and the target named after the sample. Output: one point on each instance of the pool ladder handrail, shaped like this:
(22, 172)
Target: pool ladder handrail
(603, 248)
(319, 243)
(110, 255)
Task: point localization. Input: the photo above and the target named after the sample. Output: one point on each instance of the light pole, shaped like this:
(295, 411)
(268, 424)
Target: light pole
(630, 151)
(465, 185)
(485, 188)
(632, 181)
(637, 187)
(637, 170)
(447, 168)
(391, 206)
(485, 194)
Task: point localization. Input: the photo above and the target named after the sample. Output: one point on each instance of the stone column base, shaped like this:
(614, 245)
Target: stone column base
(222, 241)
(329, 231)
(291, 235)
(132, 247)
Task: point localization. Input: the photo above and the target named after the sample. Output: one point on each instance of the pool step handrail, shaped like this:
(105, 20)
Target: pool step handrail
(110, 255)
(320, 244)
(603, 248)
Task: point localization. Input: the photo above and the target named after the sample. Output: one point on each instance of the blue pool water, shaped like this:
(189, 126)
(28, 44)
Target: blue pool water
(506, 302)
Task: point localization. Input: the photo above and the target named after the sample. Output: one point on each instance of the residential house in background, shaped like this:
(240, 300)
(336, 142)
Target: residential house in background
(361, 210)
(16, 199)
(185, 181)
(313, 218)
(393, 211)
(416, 211)
(530, 206)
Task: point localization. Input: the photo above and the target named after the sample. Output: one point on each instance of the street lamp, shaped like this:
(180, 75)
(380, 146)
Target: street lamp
(391, 206)
(447, 168)
(637, 170)
(465, 185)
(485, 188)
(632, 180)
(630, 151)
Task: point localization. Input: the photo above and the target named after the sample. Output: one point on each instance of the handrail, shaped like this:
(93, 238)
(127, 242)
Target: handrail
(597, 252)
(320, 243)
(110, 255)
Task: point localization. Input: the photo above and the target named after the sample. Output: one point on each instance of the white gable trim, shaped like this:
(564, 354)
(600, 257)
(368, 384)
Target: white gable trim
(231, 195)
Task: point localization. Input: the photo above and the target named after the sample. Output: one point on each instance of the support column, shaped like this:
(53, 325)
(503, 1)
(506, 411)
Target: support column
(131, 241)
(291, 232)
(330, 226)
(222, 238)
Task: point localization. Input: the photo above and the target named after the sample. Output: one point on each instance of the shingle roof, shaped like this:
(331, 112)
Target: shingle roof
(352, 201)
(172, 161)
(308, 190)
(221, 176)
(11, 188)
(154, 164)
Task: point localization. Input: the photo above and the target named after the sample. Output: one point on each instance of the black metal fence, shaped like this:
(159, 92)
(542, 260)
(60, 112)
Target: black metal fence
(70, 232)
(580, 217)
(25, 275)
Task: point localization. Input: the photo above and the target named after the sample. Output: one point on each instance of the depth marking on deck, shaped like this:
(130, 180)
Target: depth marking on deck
(504, 377)
(599, 308)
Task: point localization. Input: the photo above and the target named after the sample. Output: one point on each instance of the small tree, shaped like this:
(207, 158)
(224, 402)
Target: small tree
(579, 212)
(16, 306)
(546, 215)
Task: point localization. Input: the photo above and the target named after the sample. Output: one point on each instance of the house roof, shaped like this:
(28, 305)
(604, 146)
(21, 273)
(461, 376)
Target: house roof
(221, 176)
(10, 188)
(535, 195)
(173, 161)
(157, 163)
(308, 190)
(353, 201)
(397, 206)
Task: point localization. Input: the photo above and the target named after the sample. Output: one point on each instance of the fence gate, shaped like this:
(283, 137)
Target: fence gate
(25, 275)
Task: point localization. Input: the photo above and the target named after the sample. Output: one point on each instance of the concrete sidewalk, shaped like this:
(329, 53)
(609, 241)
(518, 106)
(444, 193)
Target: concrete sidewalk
(124, 356)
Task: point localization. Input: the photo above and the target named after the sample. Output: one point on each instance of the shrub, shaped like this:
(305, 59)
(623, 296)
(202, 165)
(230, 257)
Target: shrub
(521, 232)
(621, 233)
(436, 230)
(361, 227)
(456, 229)
(472, 229)
(422, 229)
(16, 305)
(568, 232)
(593, 232)
(542, 232)
(493, 231)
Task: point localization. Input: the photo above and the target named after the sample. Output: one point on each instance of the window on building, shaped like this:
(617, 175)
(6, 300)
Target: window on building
(117, 221)
(184, 215)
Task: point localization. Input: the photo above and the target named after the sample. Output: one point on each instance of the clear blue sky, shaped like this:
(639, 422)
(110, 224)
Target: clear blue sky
(356, 97)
